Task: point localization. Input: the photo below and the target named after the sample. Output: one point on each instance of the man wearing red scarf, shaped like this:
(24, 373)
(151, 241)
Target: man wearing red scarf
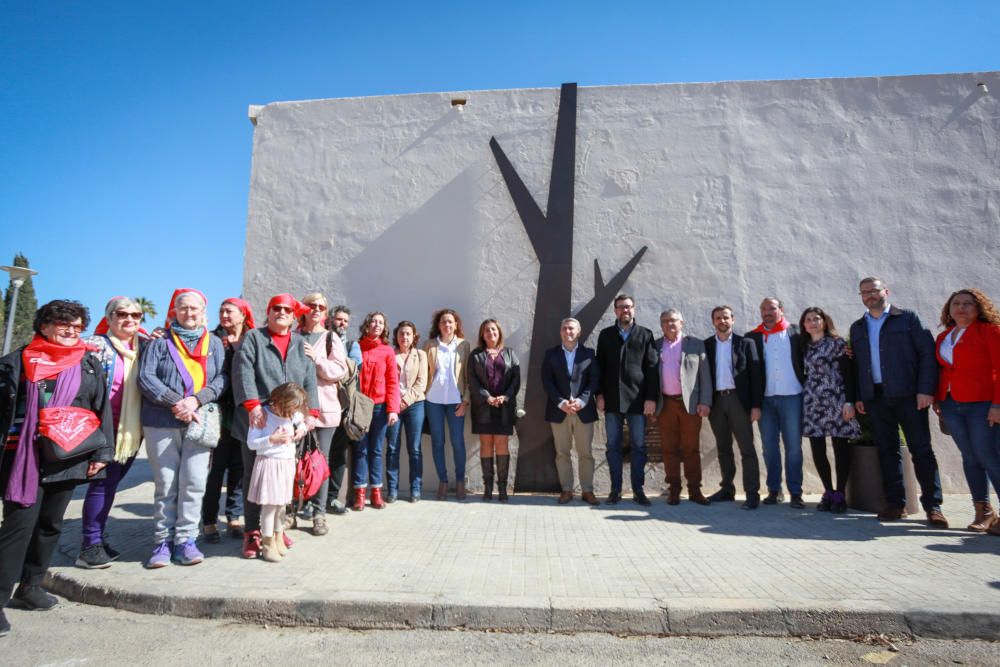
(780, 348)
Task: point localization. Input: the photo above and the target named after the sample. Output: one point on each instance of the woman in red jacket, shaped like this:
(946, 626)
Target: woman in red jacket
(380, 382)
(968, 394)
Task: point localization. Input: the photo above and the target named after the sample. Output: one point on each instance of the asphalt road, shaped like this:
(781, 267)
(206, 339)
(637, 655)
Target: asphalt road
(75, 634)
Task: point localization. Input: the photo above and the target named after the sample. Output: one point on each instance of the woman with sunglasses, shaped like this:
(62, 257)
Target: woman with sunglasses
(327, 351)
(235, 319)
(269, 356)
(118, 341)
(52, 371)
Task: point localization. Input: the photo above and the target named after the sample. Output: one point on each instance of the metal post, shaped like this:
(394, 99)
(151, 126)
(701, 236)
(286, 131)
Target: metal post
(10, 316)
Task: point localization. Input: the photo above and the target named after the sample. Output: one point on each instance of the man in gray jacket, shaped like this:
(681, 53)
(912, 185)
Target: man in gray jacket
(685, 397)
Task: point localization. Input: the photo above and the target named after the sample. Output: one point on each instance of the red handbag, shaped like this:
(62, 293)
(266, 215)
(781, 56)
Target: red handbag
(68, 433)
(311, 472)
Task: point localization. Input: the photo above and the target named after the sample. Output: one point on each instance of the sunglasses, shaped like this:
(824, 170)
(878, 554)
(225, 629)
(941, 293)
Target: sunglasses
(281, 309)
(316, 306)
(121, 314)
(65, 326)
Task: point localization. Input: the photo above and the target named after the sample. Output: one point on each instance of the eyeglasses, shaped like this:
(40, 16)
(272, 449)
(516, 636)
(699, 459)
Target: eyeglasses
(66, 327)
(870, 292)
(281, 309)
(121, 314)
(316, 306)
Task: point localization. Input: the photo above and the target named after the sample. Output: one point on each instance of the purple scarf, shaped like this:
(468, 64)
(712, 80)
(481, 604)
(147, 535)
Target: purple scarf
(22, 486)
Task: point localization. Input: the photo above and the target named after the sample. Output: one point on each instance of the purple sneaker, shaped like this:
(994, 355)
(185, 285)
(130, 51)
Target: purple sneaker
(187, 553)
(160, 557)
(839, 503)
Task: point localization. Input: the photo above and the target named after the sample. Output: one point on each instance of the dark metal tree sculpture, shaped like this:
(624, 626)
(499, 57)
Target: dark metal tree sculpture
(551, 235)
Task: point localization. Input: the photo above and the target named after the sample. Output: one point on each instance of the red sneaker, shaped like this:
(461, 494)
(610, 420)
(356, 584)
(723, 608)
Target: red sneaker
(251, 544)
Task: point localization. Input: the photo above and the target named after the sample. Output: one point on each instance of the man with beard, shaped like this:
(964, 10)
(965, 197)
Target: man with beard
(341, 445)
(629, 388)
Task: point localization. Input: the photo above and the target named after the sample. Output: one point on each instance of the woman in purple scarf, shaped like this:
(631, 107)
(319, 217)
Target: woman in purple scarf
(52, 371)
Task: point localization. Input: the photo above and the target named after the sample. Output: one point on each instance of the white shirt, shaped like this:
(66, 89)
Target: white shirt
(947, 350)
(258, 439)
(443, 389)
(780, 372)
(724, 364)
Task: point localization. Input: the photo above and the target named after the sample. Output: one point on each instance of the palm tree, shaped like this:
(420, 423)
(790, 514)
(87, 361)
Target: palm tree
(148, 308)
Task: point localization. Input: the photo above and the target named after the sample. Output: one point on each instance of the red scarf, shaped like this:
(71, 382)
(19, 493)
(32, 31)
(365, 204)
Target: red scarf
(43, 360)
(778, 328)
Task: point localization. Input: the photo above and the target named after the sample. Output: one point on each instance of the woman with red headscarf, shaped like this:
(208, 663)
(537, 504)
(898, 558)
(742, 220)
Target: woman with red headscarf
(179, 374)
(53, 372)
(235, 319)
(266, 358)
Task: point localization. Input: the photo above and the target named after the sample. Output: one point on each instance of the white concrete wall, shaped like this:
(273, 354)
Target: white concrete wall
(791, 188)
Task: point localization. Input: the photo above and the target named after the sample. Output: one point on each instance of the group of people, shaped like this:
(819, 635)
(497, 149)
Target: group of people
(234, 406)
(794, 381)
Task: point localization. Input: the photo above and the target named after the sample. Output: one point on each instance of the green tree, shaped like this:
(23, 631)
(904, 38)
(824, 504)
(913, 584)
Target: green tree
(27, 304)
(148, 308)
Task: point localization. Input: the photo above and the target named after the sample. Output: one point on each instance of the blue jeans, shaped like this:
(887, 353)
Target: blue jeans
(978, 442)
(437, 415)
(614, 423)
(368, 451)
(782, 416)
(887, 416)
(412, 420)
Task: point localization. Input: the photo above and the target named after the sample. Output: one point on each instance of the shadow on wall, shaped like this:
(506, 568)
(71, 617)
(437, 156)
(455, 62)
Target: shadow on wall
(425, 261)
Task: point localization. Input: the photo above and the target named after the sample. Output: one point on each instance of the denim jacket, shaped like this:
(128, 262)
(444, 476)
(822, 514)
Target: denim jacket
(908, 361)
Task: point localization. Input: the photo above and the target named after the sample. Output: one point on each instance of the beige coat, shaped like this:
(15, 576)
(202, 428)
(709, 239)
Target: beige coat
(413, 367)
(462, 352)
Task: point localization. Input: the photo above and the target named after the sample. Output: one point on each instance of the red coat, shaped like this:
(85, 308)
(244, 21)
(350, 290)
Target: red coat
(379, 376)
(975, 374)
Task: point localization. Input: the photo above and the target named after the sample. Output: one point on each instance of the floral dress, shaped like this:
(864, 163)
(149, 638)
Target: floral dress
(825, 395)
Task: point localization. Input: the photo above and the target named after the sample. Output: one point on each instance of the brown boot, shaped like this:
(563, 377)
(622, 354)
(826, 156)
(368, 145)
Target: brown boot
(985, 516)
(442, 493)
(674, 495)
(459, 490)
(487, 465)
(936, 519)
(269, 550)
(696, 496)
(503, 470)
(279, 544)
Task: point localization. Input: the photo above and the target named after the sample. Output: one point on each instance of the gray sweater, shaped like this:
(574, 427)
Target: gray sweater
(258, 369)
(162, 386)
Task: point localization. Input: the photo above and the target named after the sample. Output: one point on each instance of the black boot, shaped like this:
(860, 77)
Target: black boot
(503, 467)
(487, 464)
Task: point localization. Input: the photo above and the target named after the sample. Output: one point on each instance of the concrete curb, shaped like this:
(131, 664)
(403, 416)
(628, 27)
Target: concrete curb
(403, 611)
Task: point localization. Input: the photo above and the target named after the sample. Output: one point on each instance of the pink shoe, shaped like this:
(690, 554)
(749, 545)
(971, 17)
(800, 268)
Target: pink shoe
(287, 540)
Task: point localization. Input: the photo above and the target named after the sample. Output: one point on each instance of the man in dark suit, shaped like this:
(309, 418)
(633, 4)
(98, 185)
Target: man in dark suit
(738, 385)
(897, 374)
(629, 389)
(780, 351)
(571, 379)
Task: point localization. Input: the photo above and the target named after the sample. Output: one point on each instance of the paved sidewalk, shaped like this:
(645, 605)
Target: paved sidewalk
(537, 566)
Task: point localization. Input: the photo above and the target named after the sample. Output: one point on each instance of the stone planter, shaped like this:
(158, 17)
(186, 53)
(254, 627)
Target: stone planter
(864, 488)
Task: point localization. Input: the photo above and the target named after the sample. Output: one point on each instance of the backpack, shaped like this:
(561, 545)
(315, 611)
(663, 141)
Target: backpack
(311, 470)
(357, 408)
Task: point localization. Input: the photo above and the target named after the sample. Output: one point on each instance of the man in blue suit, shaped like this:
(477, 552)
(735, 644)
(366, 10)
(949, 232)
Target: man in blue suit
(571, 380)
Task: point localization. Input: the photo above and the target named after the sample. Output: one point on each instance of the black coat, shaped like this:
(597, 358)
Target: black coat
(482, 413)
(797, 346)
(559, 386)
(748, 372)
(629, 369)
(92, 395)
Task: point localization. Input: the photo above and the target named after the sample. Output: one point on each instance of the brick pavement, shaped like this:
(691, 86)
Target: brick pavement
(534, 565)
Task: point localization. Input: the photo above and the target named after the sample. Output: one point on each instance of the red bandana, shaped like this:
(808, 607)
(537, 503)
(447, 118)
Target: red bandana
(43, 360)
(298, 308)
(248, 322)
(778, 328)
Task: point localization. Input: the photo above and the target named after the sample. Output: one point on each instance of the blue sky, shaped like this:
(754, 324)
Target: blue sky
(125, 146)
